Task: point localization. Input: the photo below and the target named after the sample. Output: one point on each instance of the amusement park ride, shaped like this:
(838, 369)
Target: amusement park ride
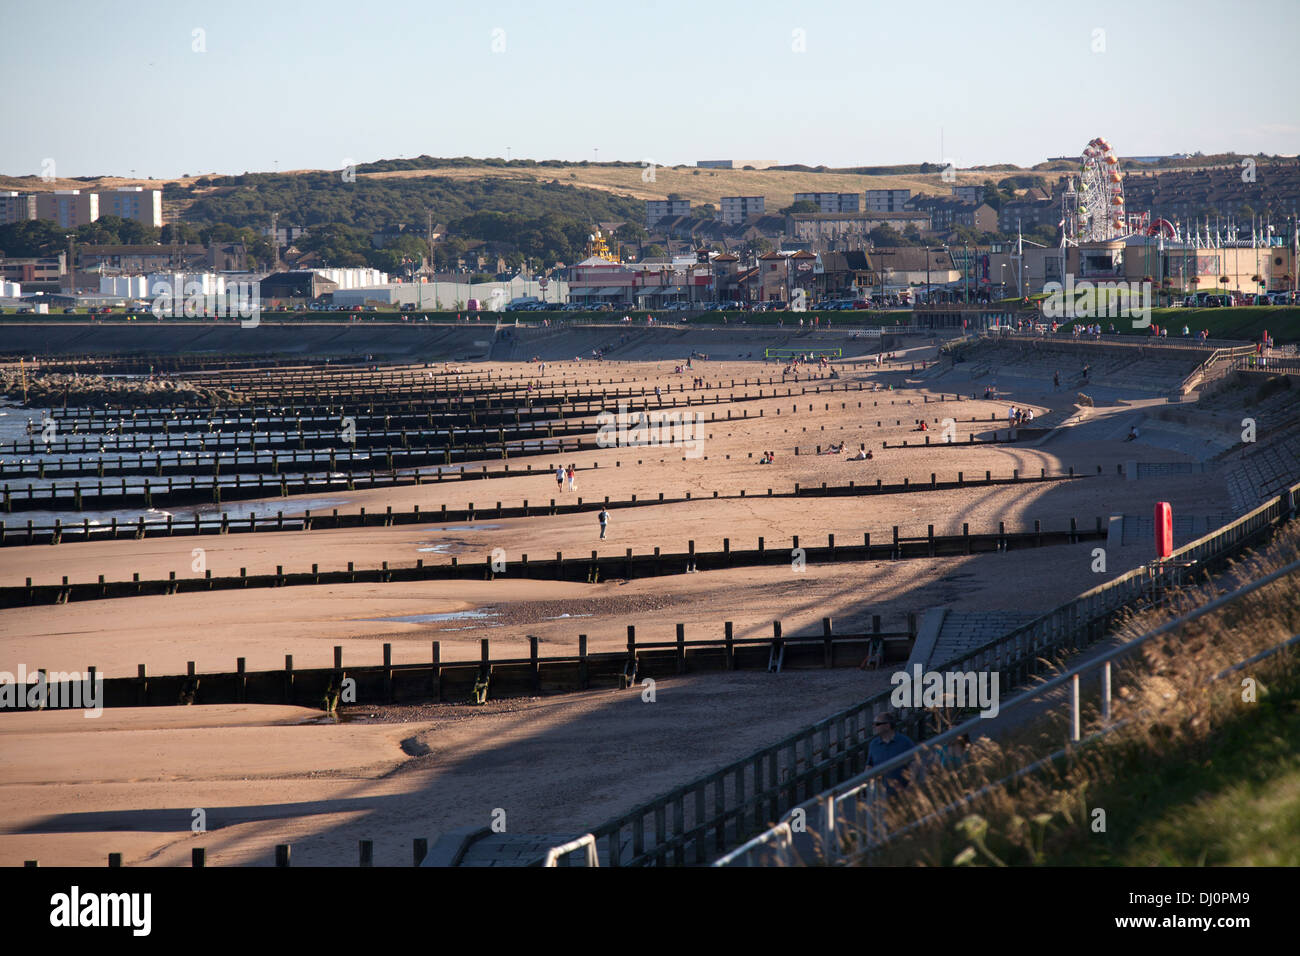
(1094, 210)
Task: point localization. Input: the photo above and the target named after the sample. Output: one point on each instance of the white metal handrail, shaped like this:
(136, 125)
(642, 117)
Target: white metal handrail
(586, 840)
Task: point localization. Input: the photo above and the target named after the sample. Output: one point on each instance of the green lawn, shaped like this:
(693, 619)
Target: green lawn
(1245, 323)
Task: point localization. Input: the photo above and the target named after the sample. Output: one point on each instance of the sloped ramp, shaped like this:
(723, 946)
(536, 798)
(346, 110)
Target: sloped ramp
(479, 847)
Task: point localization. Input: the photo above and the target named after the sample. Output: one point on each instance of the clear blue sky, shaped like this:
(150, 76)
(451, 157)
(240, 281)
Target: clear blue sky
(108, 88)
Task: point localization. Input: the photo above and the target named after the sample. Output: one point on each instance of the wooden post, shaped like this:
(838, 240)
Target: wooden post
(582, 662)
(388, 672)
(367, 853)
(534, 668)
(437, 671)
(681, 648)
(828, 644)
(282, 855)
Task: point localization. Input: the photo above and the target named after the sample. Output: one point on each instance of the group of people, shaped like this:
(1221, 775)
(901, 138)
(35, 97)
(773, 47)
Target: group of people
(837, 449)
(1018, 416)
(889, 743)
(768, 458)
(570, 473)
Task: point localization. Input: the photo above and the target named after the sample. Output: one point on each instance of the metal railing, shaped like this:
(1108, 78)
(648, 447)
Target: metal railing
(1201, 371)
(723, 809)
(586, 841)
(851, 812)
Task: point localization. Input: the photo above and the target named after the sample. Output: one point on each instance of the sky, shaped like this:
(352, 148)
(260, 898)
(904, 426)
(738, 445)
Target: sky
(158, 88)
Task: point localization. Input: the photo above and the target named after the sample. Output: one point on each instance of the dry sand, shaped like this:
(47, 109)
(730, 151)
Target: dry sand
(562, 763)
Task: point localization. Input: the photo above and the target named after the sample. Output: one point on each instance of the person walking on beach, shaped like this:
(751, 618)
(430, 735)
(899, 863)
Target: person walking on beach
(604, 523)
(573, 478)
(559, 477)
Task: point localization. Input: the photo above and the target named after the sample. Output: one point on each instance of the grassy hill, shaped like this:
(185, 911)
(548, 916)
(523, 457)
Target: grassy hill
(701, 185)
(588, 191)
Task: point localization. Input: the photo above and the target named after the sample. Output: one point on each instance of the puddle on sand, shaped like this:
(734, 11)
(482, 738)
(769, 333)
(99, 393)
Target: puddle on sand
(434, 618)
(338, 719)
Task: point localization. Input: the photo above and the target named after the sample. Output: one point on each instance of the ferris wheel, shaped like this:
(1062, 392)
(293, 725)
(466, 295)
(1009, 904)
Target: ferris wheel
(1098, 213)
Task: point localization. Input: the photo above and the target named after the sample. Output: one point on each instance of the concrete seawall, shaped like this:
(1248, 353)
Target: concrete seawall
(394, 341)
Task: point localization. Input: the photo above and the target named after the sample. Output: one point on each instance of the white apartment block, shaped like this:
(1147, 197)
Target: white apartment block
(133, 202)
(16, 207)
(831, 202)
(736, 209)
(68, 207)
(887, 200)
(656, 209)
